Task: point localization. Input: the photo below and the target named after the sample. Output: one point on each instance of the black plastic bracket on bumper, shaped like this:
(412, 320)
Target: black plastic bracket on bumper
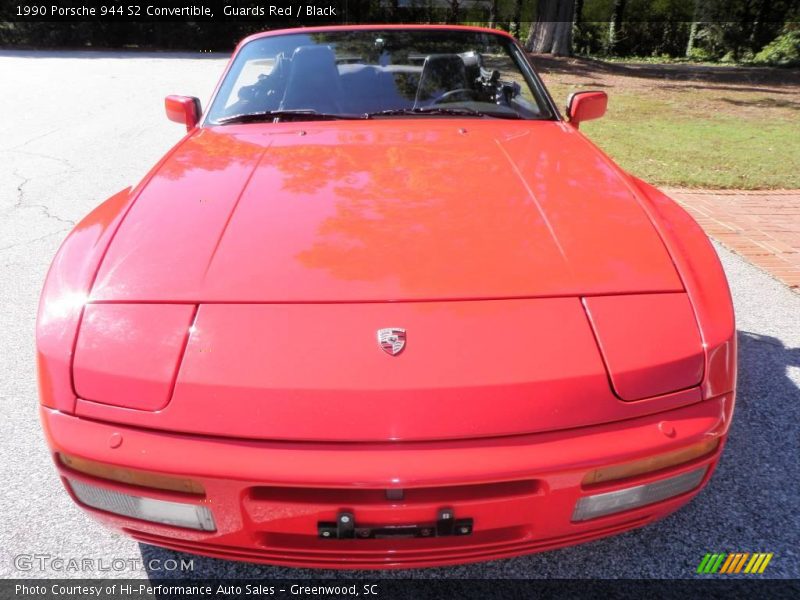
(345, 528)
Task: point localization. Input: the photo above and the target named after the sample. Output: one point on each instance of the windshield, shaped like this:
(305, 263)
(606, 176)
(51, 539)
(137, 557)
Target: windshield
(379, 73)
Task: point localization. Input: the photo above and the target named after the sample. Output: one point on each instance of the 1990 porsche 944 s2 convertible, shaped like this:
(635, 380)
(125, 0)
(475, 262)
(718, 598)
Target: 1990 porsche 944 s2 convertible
(384, 306)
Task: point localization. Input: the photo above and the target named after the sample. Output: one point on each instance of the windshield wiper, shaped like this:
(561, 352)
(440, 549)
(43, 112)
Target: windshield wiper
(312, 115)
(269, 115)
(441, 110)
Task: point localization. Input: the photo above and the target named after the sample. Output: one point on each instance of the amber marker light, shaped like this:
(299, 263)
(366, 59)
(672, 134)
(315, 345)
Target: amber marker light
(131, 476)
(651, 463)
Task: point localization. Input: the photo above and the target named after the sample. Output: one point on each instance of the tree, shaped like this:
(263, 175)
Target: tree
(758, 20)
(696, 17)
(515, 19)
(493, 13)
(614, 26)
(577, 31)
(578, 16)
(453, 13)
(552, 31)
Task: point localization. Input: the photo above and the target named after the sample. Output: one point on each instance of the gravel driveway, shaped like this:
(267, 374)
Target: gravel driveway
(77, 127)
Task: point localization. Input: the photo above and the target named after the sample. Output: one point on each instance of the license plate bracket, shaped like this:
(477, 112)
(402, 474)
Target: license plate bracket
(345, 527)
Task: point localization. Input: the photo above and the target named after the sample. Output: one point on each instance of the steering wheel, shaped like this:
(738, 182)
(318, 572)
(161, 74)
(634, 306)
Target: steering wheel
(472, 95)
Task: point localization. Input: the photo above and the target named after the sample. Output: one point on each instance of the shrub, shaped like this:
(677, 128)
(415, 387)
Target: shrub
(699, 54)
(784, 50)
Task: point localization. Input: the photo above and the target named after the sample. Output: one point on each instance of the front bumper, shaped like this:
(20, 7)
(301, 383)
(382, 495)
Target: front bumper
(268, 498)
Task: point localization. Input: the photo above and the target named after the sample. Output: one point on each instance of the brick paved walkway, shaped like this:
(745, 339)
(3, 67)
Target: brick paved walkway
(761, 226)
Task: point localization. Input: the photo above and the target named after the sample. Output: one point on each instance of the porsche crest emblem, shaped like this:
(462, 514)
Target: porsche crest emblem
(392, 340)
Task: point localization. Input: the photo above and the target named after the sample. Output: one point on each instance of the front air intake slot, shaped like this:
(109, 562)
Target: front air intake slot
(423, 495)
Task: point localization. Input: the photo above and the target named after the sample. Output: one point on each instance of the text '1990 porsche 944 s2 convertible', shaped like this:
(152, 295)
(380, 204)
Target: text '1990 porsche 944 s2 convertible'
(384, 306)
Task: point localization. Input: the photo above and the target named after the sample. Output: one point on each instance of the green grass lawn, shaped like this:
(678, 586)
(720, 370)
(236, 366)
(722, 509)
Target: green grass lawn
(702, 138)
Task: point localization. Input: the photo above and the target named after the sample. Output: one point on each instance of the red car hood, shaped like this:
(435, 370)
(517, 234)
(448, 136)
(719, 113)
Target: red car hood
(384, 210)
(295, 240)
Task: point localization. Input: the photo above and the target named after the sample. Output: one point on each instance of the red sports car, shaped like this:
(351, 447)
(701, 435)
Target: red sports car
(384, 306)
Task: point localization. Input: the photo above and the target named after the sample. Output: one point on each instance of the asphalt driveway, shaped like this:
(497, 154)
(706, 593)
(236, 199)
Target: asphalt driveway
(77, 127)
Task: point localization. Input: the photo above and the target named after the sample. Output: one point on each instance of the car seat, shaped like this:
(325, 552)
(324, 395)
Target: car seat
(313, 81)
(441, 73)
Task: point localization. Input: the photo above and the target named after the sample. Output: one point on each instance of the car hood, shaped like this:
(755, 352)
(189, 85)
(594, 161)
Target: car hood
(412, 209)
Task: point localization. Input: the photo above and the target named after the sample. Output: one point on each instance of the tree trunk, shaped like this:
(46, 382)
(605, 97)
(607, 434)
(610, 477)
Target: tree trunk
(552, 31)
(692, 37)
(577, 18)
(562, 39)
(755, 32)
(493, 14)
(614, 26)
(514, 28)
(694, 27)
(455, 9)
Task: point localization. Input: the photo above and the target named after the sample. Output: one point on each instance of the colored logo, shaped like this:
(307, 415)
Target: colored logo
(735, 562)
(392, 339)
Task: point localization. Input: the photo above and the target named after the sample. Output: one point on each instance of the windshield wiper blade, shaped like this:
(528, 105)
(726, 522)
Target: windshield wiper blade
(433, 110)
(310, 114)
(441, 110)
(268, 115)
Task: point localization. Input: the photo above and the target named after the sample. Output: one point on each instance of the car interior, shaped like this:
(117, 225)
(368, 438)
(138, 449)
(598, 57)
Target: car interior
(314, 78)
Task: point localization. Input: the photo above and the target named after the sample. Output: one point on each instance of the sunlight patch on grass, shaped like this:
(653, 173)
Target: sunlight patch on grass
(704, 139)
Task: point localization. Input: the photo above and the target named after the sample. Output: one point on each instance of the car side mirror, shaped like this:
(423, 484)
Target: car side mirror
(183, 109)
(585, 106)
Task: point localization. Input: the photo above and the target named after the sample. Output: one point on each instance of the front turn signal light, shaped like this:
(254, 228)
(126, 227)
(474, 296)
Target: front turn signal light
(131, 476)
(165, 512)
(600, 505)
(651, 463)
